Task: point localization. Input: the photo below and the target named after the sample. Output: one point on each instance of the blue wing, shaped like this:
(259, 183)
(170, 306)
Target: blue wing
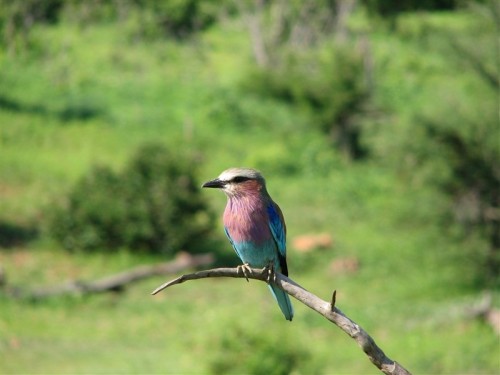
(278, 230)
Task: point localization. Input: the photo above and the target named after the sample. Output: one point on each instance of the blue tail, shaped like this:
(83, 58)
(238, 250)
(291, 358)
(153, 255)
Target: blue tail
(283, 301)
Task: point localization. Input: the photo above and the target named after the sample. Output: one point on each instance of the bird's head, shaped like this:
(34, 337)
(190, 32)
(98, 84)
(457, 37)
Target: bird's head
(238, 181)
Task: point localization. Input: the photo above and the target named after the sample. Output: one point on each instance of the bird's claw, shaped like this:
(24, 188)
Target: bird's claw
(245, 270)
(271, 275)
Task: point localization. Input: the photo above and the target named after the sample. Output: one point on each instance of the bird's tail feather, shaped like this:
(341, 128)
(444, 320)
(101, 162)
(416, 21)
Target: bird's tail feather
(283, 301)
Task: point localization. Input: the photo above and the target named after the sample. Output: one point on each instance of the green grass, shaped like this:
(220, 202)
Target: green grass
(415, 279)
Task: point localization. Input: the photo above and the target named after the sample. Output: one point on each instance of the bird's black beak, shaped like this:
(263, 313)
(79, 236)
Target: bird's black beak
(213, 184)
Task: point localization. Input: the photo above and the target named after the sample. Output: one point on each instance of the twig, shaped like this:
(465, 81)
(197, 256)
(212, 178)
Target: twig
(334, 299)
(326, 309)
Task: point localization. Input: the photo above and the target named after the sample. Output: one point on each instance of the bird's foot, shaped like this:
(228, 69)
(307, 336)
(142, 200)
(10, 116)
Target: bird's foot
(245, 269)
(271, 275)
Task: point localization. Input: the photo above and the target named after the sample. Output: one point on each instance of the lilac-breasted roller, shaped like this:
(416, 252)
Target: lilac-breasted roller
(254, 225)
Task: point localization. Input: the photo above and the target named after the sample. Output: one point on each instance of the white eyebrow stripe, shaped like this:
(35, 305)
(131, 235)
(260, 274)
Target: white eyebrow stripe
(231, 173)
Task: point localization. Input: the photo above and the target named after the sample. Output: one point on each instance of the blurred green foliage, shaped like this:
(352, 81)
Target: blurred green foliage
(241, 351)
(391, 8)
(308, 57)
(451, 140)
(154, 204)
(151, 19)
(181, 18)
(329, 84)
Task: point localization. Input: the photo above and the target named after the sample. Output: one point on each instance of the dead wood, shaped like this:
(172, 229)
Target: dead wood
(113, 283)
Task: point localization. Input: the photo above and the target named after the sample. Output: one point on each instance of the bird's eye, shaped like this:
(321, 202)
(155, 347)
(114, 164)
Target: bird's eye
(239, 179)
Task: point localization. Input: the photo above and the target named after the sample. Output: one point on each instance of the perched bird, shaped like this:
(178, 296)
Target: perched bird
(254, 225)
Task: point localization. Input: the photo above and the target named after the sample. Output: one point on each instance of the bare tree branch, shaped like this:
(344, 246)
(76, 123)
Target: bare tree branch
(326, 309)
(116, 282)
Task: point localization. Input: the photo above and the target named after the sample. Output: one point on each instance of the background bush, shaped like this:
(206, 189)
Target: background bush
(328, 84)
(242, 351)
(154, 204)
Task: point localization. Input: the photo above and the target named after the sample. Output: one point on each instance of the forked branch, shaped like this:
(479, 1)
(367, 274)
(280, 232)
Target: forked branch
(326, 309)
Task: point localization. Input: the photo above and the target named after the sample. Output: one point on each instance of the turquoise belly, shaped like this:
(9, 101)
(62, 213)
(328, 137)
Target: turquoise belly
(258, 256)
